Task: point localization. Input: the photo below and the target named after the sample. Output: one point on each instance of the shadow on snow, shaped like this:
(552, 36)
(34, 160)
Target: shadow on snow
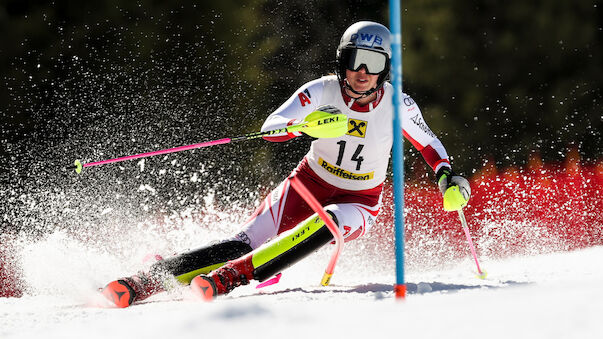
(412, 288)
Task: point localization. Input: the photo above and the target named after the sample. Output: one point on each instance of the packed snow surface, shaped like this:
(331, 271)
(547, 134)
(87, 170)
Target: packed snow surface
(555, 295)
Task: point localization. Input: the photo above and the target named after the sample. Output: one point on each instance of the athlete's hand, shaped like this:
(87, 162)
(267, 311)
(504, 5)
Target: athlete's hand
(322, 112)
(326, 121)
(455, 188)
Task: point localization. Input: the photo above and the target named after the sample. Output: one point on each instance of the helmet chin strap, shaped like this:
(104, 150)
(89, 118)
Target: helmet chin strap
(346, 85)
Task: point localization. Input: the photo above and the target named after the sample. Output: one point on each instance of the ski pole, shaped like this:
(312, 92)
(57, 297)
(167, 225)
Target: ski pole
(481, 274)
(322, 125)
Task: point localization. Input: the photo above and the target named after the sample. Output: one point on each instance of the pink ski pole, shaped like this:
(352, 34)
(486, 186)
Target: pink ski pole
(321, 126)
(480, 274)
(78, 166)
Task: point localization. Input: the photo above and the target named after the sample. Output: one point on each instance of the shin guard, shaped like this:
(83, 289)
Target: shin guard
(290, 247)
(186, 266)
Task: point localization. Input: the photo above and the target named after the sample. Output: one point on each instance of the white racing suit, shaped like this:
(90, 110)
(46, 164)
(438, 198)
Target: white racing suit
(345, 174)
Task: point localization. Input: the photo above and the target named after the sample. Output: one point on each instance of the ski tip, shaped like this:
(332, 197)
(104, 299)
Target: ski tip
(204, 287)
(119, 293)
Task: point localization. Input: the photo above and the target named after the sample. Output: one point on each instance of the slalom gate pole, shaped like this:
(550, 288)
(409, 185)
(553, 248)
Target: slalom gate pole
(480, 274)
(398, 146)
(317, 207)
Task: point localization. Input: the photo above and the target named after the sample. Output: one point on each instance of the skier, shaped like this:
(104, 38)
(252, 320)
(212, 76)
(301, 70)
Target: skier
(345, 174)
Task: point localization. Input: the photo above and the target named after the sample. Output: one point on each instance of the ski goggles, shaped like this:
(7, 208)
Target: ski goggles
(355, 58)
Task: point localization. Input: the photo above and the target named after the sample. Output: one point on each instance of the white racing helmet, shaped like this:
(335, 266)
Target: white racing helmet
(365, 44)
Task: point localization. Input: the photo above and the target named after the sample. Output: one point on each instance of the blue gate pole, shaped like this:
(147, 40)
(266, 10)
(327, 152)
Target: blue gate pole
(398, 146)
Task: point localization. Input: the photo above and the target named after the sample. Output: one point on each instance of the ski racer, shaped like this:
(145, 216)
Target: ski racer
(345, 174)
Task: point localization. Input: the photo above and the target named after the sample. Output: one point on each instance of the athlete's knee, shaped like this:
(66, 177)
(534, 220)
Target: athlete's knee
(353, 220)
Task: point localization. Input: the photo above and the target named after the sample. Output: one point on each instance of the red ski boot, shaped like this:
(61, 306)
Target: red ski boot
(224, 279)
(123, 292)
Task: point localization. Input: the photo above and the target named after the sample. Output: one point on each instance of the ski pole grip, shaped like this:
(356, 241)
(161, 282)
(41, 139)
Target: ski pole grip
(317, 207)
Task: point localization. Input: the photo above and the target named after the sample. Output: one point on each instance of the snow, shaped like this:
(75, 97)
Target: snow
(554, 295)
